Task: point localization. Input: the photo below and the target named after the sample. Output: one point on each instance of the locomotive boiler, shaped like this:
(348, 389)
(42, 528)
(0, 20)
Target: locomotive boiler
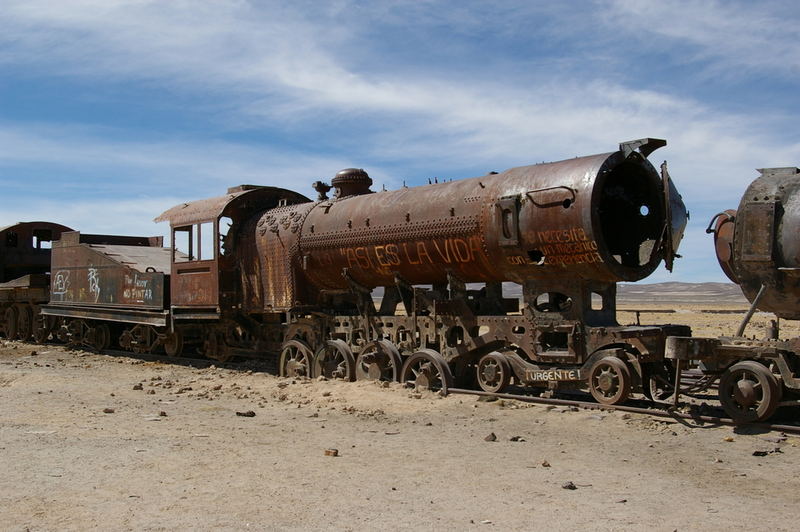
(758, 248)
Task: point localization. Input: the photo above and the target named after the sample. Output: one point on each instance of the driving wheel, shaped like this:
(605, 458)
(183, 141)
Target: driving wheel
(427, 370)
(334, 360)
(295, 360)
(379, 361)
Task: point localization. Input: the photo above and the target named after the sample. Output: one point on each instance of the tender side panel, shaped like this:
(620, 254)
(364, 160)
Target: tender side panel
(84, 276)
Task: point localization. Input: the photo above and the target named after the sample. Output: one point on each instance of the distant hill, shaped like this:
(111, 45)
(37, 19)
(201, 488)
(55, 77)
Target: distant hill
(640, 293)
(673, 292)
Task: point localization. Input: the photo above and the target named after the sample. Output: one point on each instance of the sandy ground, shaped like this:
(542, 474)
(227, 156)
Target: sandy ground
(114, 443)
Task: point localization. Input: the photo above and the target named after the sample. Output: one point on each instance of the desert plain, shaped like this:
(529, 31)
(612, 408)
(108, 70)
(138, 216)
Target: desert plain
(110, 442)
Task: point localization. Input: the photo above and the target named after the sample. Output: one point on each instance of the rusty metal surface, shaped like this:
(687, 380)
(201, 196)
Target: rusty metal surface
(106, 276)
(243, 197)
(206, 284)
(277, 243)
(601, 217)
(23, 248)
(763, 247)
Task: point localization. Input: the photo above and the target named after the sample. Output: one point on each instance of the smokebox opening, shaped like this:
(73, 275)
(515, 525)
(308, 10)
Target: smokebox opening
(631, 214)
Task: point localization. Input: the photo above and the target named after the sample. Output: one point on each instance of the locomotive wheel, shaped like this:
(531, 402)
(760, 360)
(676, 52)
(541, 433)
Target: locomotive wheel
(427, 370)
(11, 323)
(334, 360)
(494, 372)
(610, 381)
(125, 339)
(749, 392)
(173, 343)
(76, 331)
(24, 322)
(211, 348)
(296, 359)
(62, 333)
(102, 337)
(379, 361)
(42, 327)
(660, 385)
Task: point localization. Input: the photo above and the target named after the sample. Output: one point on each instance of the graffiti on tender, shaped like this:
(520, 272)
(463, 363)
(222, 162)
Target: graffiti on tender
(61, 285)
(93, 277)
(136, 289)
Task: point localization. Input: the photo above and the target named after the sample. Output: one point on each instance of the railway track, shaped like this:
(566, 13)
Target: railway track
(657, 410)
(653, 411)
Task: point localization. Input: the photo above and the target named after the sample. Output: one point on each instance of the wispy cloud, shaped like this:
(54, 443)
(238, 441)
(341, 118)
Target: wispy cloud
(730, 36)
(186, 168)
(406, 89)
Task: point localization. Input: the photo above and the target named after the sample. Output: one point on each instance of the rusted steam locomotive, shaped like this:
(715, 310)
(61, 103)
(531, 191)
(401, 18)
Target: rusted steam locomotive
(266, 272)
(758, 248)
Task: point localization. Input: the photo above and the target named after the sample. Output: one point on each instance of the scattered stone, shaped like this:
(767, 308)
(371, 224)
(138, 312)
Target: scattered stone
(151, 392)
(34, 353)
(491, 437)
(138, 386)
(283, 384)
(621, 501)
(486, 398)
(333, 452)
(728, 439)
(569, 486)
(108, 410)
(248, 413)
(775, 439)
(765, 453)
(326, 394)
(516, 438)
(217, 388)
(162, 414)
(184, 389)
(545, 463)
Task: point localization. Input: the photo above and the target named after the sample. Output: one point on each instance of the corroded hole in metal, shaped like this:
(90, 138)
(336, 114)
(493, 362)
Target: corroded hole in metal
(631, 214)
(552, 302)
(536, 256)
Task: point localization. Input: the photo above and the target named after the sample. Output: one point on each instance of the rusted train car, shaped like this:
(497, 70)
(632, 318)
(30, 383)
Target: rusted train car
(267, 272)
(758, 248)
(264, 271)
(24, 276)
(108, 289)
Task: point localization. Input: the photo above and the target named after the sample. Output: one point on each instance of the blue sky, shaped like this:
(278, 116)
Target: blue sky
(112, 111)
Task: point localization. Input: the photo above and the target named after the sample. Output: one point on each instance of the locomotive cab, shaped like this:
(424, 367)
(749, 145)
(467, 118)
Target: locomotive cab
(204, 247)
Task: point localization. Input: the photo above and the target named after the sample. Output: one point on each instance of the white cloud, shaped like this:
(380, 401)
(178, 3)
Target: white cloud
(157, 167)
(312, 68)
(756, 36)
